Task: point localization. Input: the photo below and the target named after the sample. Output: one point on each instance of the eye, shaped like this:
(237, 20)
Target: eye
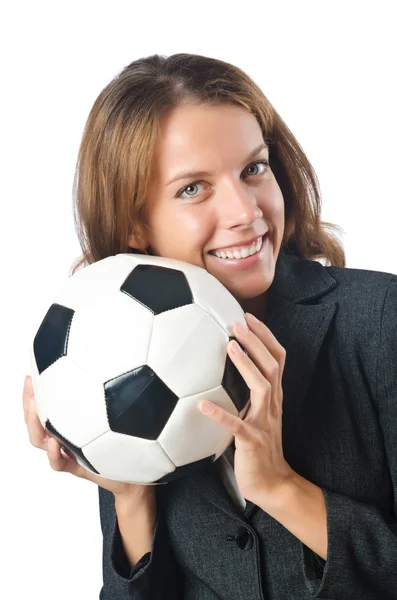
(260, 162)
(194, 183)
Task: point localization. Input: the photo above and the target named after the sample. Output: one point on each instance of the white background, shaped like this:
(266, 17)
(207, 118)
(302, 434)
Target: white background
(329, 70)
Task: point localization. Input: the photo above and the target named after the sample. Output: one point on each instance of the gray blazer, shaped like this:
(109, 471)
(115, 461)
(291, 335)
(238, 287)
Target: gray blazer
(339, 329)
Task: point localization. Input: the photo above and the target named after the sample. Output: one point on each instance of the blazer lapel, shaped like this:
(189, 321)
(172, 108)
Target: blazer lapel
(300, 325)
(301, 330)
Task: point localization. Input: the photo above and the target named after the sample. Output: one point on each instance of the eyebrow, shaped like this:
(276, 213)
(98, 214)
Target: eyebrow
(189, 174)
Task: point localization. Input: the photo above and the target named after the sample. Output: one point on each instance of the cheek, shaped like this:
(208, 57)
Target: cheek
(182, 235)
(272, 205)
(278, 209)
(196, 228)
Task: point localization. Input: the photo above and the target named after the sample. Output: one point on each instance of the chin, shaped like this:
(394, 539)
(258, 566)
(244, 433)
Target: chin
(250, 291)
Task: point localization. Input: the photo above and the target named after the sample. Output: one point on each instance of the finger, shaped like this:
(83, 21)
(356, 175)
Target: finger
(266, 336)
(38, 436)
(56, 458)
(261, 388)
(259, 354)
(231, 422)
(26, 394)
(270, 341)
(60, 461)
(270, 363)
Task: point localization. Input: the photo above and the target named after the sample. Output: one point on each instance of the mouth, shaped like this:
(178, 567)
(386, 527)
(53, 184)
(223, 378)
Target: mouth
(238, 253)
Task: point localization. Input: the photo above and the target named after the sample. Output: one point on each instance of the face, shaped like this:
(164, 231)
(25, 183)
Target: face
(234, 201)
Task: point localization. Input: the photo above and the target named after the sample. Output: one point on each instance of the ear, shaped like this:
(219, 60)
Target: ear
(138, 239)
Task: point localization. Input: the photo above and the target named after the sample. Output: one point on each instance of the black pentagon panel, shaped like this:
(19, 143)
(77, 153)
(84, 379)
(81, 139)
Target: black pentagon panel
(186, 470)
(51, 339)
(158, 288)
(234, 383)
(138, 403)
(70, 449)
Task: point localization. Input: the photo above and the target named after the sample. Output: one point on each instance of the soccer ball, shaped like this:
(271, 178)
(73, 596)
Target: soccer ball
(122, 359)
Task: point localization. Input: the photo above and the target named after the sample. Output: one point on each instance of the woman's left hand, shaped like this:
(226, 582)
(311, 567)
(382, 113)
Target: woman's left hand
(259, 464)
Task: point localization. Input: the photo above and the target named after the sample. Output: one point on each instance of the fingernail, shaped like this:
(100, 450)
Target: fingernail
(207, 407)
(235, 347)
(241, 329)
(251, 318)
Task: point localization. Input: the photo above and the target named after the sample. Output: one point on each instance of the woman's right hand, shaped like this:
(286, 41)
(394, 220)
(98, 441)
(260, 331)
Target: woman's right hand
(60, 461)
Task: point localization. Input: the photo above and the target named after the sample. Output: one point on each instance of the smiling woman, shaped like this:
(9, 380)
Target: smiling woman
(237, 205)
(184, 157)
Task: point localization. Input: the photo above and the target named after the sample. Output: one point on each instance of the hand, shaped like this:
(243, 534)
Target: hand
(60, 461)
(259, 464)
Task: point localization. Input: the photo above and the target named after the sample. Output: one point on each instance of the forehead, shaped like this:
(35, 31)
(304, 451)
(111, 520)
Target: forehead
(204, 136)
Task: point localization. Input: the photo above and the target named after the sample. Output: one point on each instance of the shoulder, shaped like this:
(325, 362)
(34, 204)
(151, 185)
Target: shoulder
(348, 277)
(365, 326)
(367, 304)
(364, 288)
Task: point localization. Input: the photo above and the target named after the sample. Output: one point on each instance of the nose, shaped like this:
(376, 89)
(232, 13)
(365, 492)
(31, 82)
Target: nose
(238, 207)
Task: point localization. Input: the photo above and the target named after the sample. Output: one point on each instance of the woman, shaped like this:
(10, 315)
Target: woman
(184, 157)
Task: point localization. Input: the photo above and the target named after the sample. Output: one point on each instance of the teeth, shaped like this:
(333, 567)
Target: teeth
(243, 253)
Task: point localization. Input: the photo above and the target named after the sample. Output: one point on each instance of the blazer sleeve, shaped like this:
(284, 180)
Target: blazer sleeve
(154, 577)
(362, 542)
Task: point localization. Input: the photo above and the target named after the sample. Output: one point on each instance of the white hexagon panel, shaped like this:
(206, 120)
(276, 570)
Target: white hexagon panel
(188, 350)
(111, 337)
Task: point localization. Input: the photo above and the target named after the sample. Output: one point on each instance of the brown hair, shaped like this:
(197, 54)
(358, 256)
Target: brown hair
(114, 162)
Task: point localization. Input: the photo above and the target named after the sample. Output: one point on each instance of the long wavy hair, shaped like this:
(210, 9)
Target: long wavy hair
(115, 157)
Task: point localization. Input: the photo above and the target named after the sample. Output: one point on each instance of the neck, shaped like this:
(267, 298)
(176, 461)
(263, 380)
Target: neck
(256, 306)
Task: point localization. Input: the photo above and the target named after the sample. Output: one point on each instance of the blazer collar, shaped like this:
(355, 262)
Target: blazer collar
(299, 280)
(300, 323)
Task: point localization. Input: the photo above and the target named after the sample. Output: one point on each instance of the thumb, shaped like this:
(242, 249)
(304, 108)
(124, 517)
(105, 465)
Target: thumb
(60, 461)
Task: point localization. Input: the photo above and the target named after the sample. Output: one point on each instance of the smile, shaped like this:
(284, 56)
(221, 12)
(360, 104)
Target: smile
(256, 254)
(242, 252)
